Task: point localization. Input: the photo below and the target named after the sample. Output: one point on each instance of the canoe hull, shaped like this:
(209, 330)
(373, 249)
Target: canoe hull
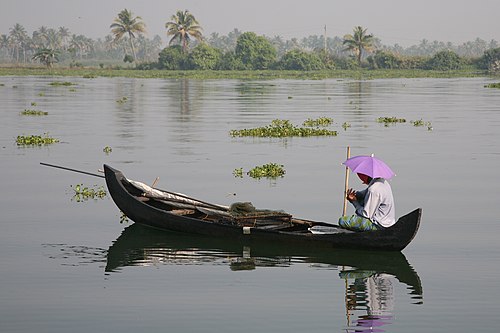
(395, 238)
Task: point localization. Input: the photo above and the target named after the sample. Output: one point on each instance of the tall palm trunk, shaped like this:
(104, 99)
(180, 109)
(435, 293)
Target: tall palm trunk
(133, 48)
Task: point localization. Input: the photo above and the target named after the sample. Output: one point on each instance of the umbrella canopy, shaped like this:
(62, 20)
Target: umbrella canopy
(370, 166)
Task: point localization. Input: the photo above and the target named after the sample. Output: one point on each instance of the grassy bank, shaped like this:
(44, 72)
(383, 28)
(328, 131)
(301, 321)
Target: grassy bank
(253, 74)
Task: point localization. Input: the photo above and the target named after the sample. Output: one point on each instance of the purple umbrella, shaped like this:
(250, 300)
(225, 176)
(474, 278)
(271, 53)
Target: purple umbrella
(370, 166)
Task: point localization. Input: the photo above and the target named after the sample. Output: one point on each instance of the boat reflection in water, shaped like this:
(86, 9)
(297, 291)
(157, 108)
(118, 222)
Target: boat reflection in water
(369, 275)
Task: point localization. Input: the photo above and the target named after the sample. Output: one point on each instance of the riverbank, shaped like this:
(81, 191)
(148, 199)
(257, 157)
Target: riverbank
(364, 74)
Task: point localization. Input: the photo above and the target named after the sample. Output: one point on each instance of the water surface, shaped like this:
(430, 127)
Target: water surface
(70, 265)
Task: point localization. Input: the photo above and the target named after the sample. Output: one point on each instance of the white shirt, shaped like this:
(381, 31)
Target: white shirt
(376, 203)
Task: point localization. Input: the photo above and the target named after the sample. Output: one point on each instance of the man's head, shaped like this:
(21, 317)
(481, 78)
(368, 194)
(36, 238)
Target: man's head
(364, 178)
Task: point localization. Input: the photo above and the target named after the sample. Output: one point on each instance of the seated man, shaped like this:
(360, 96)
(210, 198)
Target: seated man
(374, 206)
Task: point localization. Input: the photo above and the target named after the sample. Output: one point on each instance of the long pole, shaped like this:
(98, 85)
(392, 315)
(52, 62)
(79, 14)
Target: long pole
(168, 192)
(346, 187)
(73, 170)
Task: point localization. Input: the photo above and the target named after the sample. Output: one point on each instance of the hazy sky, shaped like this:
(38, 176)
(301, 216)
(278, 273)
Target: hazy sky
(393, 21)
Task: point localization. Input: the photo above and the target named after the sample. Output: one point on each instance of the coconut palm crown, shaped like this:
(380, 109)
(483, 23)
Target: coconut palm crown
(182, 27)
(358, 42)
(125, 23)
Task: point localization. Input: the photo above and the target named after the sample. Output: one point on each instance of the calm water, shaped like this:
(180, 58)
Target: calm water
(72, 266)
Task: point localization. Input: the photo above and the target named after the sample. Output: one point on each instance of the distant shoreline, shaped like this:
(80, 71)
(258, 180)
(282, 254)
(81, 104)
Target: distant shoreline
(364, 74)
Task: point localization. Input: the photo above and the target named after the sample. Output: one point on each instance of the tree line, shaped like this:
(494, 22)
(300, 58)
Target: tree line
(189, 49)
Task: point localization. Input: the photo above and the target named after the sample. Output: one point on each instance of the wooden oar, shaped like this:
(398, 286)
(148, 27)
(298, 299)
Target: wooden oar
(346, 187)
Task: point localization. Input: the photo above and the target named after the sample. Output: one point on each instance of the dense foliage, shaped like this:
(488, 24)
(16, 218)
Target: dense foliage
(126, 46)
(300, 60)
(255, 52)
(444, 60)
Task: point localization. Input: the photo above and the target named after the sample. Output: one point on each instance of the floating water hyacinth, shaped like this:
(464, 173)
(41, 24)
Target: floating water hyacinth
(420, 122)
(322, 121)
(390, 120)
(28, 112)
(35, 140)
(83, 193)
(269, 170)
(346, 125)
(61, 83)
(493, 85)
(238, 173)
(121, 100)
(282, 128)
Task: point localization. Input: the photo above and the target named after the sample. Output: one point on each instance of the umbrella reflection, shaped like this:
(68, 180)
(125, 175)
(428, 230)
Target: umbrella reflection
(370, 294)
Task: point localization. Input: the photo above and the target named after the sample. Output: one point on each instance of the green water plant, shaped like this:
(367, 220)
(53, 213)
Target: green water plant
(269, 170)
(107, 150)
(122, 100)
(420, 122)
(319, 122)
(493, 85)
(35, 140)
(282, 128)
(83, 193)
(29, 112)
(61, 83)
(123, 218)
(346, 125)
(390, 120)
(238, 173)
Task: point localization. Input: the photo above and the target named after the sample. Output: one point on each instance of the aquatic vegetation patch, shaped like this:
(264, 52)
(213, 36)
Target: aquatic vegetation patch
(84, 193)
(269, 170)
(390, 120)
(393, 120)
(61, 83)
(28, 112)
(319, 122)
(238, 173)
(123, 218)
(122, 100)
(107, 150)
(282, 128)
(35, 140)
(493, 85)
(420, 122)
(346, 125)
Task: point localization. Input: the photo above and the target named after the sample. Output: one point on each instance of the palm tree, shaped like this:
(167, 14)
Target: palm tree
(64, 35)
(18, 37)
(80, 45)
(5, 43)
(183, 26)
(358, 42)
(125, 23)
(46, 56)
(53, 39)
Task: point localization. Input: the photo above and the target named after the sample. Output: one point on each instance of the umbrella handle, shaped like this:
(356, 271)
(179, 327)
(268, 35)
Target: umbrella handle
(346, 185)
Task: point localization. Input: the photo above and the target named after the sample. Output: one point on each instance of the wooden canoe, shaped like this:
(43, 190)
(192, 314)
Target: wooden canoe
(171, 211)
